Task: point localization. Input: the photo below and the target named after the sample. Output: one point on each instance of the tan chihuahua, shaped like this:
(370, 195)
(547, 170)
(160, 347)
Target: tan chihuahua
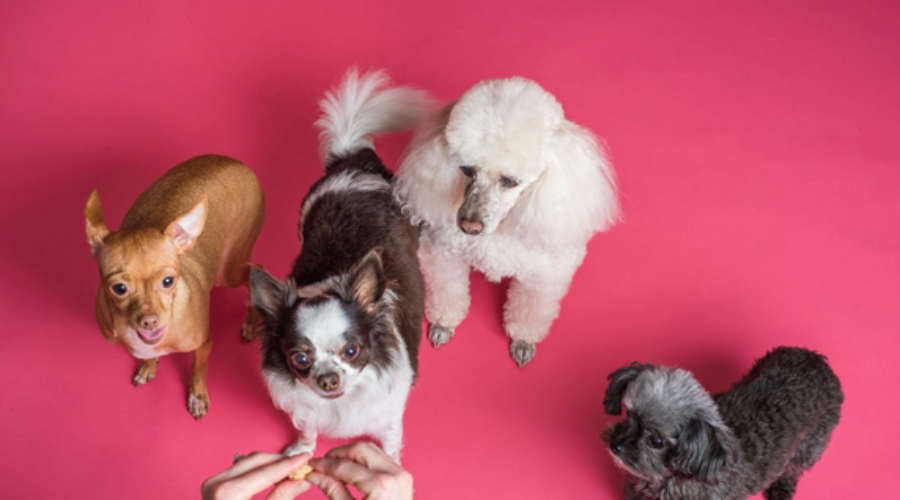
(192, 229)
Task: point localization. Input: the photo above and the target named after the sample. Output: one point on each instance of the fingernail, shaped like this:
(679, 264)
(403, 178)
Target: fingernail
(312, 479)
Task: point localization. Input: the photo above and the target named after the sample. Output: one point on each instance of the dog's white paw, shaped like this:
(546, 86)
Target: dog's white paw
(439, 335)
(198, 405)
(522, 352)
(298, 448)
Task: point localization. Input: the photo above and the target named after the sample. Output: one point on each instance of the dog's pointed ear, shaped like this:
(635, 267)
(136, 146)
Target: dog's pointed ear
(95, 225)
(270, 296)
(618, 382)
(705, 452)
(367, 281)
(185, 230)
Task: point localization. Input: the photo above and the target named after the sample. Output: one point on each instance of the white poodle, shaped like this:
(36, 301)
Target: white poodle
(502, 182)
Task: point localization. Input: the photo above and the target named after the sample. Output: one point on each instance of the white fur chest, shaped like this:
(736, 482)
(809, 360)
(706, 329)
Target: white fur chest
(499, 255)
(373, 405)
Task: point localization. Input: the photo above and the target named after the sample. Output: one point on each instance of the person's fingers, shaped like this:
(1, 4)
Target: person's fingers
(368, 454)
(252, 461)
(346, 471)
(287, 490)
(256, 480)
(216, 483)
(333, 488)
(208, 488)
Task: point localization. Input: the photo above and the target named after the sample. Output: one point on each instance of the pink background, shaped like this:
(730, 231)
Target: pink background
(757, 150)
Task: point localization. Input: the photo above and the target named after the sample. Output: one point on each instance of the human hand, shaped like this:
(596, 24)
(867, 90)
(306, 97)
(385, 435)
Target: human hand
(366, 467)
(254, 473)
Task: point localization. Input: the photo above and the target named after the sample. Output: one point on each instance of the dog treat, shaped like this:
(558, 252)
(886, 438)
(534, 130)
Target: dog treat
(301, 473)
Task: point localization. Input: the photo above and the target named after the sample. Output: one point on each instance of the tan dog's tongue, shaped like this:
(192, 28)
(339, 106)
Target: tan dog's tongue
(151, 336)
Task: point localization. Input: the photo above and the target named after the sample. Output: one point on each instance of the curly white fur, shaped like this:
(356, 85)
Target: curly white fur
(535, 232)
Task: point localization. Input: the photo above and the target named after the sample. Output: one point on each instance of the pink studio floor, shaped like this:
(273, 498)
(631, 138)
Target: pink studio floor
(757, 150)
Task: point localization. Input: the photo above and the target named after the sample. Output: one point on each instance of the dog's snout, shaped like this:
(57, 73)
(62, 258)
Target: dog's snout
(328, 382)
(471, 227)
(148, 321)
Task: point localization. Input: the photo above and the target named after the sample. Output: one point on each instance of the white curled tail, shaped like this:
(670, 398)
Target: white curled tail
(361, 107)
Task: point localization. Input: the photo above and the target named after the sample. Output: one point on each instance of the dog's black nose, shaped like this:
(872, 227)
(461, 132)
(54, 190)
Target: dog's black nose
(471, 227)
(328, 382)
(616, 448)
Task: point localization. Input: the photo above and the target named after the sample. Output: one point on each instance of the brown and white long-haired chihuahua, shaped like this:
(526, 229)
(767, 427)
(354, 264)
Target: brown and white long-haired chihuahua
(341, 341)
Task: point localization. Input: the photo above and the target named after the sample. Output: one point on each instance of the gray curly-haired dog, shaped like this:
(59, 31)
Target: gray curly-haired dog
(678, 442)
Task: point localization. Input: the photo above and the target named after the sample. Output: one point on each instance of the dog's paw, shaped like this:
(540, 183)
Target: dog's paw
(198, 405)
(522, 352)
(146, 372)
(782, 489)
(439, 335)
(298, 448)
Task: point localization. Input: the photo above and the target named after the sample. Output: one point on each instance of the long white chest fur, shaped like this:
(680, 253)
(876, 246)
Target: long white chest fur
(373, 406)
(499, 255)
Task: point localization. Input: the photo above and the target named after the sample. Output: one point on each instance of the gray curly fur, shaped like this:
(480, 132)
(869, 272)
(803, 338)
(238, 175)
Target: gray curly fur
(761, 435)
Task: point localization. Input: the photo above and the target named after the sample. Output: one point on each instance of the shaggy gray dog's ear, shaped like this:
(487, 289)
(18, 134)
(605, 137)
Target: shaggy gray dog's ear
(705, 452)
(618, 382)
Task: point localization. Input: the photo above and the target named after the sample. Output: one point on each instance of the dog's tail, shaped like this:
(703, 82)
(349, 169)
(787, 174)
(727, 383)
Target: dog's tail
(362, 107)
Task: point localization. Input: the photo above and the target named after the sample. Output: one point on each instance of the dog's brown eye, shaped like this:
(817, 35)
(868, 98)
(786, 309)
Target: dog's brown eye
(168, 281)
(655, 442)
(351, 351)
(467, 170)
(509, 182)
(119, 289)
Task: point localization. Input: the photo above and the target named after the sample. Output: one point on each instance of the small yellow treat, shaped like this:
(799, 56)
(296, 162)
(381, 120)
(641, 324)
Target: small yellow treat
(300, 474)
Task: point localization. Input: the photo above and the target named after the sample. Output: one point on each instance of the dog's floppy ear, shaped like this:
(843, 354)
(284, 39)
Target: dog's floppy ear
(95, 225)
(270, 296)
(185, 230)
(574, 197)
(366, 280)
(429, 184)
(618, 382)
(705, 451)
